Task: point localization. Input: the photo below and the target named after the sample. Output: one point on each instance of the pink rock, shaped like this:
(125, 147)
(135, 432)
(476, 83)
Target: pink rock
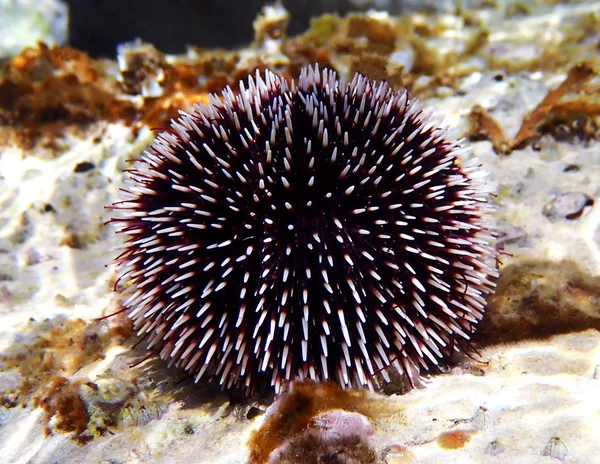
(339, 423)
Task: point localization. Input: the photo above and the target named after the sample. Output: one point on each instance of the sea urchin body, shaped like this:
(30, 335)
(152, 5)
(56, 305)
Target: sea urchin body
(317, 230)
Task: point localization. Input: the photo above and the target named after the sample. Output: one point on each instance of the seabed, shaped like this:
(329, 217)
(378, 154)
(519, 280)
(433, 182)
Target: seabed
(519, 80)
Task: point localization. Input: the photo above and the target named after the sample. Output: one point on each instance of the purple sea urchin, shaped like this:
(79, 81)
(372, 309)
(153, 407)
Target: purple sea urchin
(316, 230)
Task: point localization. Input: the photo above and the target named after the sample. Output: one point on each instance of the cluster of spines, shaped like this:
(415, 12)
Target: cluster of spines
(324, 230)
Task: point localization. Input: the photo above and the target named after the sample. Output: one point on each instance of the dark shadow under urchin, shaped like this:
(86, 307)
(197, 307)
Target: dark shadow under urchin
(317, 229)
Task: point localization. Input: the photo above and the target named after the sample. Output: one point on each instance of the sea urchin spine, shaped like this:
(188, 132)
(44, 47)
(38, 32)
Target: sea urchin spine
(317, 230)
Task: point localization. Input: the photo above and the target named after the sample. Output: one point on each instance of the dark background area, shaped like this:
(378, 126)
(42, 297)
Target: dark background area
(97, 26)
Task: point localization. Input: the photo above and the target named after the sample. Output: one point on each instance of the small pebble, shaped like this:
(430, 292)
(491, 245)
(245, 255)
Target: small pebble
(342, 423)
(482, 419)
(494, 448)
(189, 430)
(84, 166)
(556, 449)
(33, 256)
(568, 206)
(571, 168)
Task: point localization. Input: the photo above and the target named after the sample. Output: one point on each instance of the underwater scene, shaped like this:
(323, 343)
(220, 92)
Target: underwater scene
(295, 232)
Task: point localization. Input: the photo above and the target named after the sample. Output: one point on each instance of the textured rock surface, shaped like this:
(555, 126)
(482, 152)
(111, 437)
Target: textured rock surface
(532, 400)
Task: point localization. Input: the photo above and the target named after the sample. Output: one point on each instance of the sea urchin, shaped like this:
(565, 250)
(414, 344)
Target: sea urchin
(322, 230)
